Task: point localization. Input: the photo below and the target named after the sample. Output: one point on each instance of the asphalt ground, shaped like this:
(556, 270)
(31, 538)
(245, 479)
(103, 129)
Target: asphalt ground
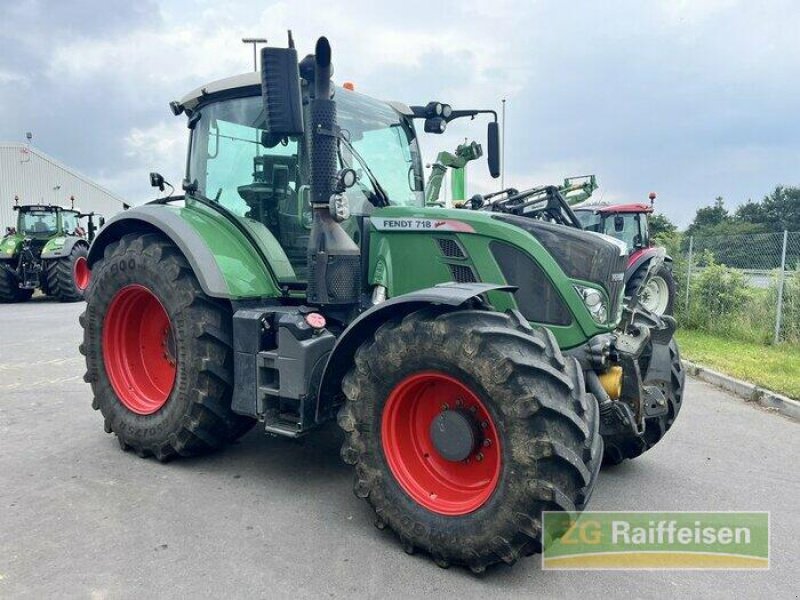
(272, 518)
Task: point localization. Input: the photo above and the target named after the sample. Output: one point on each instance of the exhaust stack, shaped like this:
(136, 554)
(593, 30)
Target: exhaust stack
(334, 259)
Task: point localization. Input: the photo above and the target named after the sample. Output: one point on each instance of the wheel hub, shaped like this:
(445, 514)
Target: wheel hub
(441, 443)
(455, 434)
(139, 350)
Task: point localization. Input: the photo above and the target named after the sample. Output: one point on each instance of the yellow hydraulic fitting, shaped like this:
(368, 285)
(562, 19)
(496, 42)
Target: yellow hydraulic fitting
(612, 382)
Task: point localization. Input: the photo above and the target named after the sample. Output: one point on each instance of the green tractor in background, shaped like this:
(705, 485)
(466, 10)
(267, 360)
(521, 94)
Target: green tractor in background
(477, 361)
(47, 250)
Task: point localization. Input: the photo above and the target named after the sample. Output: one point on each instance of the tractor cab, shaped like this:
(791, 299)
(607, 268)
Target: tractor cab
(235, 162)
(626, 222)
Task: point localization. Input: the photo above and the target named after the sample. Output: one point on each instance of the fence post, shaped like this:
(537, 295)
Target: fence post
(781, 277)
(689, 273)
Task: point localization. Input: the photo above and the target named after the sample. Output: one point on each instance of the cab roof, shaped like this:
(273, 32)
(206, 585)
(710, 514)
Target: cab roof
(616, 208)
(249, 84)
(44, 207)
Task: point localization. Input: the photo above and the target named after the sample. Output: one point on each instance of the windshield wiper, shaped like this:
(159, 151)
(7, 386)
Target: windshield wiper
(379, 198)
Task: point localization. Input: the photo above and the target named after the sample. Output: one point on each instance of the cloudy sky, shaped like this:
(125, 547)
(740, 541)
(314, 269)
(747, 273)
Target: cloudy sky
(689, 98)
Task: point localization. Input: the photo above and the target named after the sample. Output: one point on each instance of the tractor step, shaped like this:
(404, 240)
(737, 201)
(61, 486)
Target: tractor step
(278, 361)
(284, 429)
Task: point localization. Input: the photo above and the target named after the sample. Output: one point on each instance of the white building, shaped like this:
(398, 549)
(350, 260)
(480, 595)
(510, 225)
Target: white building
(36, 178)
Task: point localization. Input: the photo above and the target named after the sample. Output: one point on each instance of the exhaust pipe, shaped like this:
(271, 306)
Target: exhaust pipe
(334, 259)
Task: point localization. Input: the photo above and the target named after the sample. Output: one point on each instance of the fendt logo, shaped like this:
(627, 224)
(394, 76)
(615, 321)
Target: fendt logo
(414, 224)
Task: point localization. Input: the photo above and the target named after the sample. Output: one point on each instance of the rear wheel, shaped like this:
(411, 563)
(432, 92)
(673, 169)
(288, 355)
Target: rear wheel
(463, 427)
(9, 287)
(68, 277)
(658, 294)
(619, 448)
(158, 352)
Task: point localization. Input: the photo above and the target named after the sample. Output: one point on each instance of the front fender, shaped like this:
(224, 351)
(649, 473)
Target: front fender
(341, 358)
(641, 256)
(61, 247)
(222, 259)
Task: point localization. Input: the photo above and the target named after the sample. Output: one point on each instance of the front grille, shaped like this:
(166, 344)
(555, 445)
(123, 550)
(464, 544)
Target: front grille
(450, 248)
(462, 274)
(537, 298)
(580, 254)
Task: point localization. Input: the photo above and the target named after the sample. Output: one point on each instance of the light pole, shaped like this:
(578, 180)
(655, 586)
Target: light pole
(255, 42)
(503, 148)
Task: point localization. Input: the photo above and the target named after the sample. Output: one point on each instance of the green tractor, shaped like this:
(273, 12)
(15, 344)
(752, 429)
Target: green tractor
(476, 361)
(47, 250)
(457, 163)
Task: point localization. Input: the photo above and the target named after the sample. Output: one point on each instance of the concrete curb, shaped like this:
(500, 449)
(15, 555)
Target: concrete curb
(747, 391)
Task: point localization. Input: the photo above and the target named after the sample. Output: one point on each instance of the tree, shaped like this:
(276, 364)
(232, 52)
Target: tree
(709, 216)
(659, 224)
(781, 209)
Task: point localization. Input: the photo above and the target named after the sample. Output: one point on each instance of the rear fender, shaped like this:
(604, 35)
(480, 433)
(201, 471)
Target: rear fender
(222, 259)
(447, 295)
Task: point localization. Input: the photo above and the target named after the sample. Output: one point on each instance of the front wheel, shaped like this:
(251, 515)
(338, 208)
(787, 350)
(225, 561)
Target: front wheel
(463, 427)
(9, 287)
(158, 352)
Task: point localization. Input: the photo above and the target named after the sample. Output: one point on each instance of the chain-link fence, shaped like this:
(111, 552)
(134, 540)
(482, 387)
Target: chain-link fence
(741, 286)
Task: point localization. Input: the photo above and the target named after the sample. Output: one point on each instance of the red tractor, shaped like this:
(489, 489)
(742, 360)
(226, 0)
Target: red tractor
(628, 222)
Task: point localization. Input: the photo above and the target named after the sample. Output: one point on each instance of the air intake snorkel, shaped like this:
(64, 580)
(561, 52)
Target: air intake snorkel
(334, 259)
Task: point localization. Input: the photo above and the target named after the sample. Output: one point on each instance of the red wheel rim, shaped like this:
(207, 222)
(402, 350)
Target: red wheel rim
(441, 486)
(81, 273)
(139, 350)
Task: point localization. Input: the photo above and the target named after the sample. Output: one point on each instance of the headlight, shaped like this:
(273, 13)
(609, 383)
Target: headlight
(595, 303)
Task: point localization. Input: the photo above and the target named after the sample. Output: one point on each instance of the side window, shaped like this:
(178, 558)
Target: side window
(624, 227)
(247, 177)
(69, 222)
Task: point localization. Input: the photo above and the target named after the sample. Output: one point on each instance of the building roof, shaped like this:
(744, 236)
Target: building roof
(23, 148)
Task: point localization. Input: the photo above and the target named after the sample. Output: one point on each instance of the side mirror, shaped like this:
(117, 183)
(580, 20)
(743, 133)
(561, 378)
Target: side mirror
(157, 181)
(280, 92)
(493, 148)
(619, 223)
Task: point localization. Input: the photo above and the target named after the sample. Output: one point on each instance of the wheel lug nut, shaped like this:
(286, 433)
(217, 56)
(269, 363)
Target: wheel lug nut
(459, 403)
(487, 442)
(445, 407)
(484, 424)
(479, 457)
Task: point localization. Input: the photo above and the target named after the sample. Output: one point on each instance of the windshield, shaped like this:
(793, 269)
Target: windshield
(235, 162)
(589, 219)
(38, 222)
